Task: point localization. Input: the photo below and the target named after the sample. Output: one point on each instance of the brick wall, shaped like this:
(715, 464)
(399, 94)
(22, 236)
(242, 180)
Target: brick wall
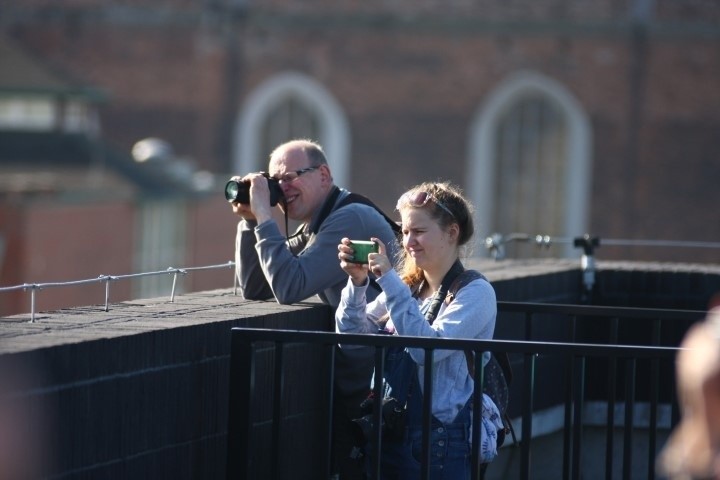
(410, 77)
(65, 241)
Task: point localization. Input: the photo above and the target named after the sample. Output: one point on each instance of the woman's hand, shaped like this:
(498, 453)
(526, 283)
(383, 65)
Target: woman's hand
(378, 263)
(358, 272)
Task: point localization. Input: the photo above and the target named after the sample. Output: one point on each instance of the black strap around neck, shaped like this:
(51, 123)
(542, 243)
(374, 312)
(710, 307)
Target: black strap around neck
(326, 209)
(439, 297)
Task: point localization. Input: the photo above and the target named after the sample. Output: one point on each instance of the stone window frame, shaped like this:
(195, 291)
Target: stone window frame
(161, 242)
(481, 158)
(334, 131)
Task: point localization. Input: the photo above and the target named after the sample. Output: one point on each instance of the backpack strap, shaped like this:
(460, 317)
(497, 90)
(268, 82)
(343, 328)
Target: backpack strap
(352, 197)
(463, 279)
(502, 357)
(357, 198)
(326, 209)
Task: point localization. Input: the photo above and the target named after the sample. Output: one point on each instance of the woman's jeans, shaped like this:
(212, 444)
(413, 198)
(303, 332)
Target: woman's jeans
(450, 451)
(449, 454)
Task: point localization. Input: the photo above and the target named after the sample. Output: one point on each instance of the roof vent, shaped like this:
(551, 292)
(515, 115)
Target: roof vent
(152, 150)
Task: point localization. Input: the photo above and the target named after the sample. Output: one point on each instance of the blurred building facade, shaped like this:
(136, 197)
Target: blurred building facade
(557, 117)
(73, 206)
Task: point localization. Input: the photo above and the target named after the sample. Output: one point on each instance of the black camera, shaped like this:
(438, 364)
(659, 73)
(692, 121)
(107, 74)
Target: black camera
(240, 191)
(393, 420)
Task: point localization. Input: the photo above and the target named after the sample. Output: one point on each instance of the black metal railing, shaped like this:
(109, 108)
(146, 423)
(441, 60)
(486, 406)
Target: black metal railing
(572, 355)
(654, 327)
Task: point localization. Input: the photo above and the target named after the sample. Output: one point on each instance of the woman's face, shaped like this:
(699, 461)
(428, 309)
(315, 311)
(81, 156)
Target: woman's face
(425, 241)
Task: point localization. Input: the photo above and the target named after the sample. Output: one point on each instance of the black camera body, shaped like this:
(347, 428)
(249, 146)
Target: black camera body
(240, 191)
(393, 415)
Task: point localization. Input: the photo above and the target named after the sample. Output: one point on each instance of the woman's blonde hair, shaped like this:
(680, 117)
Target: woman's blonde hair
(447, 206)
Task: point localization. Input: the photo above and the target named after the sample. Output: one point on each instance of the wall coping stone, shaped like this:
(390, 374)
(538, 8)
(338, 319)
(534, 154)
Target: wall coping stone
(88, 323)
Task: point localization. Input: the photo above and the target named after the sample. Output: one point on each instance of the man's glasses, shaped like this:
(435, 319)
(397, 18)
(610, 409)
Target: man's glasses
(420, 199)
(288, 177)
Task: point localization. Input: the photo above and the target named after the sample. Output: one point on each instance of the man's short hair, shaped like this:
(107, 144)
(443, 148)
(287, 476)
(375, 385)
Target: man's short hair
(316, 155)
(312, 150)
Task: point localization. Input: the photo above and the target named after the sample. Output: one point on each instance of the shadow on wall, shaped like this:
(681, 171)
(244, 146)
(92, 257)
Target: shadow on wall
(24, 441)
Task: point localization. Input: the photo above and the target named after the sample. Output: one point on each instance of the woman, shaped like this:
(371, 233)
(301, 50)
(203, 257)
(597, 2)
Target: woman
(436, 224)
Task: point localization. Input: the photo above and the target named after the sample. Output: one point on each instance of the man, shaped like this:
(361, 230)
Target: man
(291, 270)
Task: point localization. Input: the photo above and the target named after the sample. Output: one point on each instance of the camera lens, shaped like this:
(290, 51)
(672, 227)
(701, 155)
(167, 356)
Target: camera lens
(240, 192)
(231, 190)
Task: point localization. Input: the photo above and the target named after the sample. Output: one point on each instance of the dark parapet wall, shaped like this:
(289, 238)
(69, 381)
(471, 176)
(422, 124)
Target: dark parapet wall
(657, 285)
(142, 391)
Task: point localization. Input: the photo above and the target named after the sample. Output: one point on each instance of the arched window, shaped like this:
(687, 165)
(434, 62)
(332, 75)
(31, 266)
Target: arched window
(289, 119)
(530, 163)
(287, 106)
(161, 227)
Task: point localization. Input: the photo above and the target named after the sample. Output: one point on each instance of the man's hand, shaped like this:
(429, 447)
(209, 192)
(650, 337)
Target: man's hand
(241, 209)
(259, 208)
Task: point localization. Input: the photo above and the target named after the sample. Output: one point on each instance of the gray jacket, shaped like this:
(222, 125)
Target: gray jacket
(268, 267)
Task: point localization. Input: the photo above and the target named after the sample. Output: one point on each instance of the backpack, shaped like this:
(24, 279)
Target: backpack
(497, 373)
(354, 198)
(357, 198)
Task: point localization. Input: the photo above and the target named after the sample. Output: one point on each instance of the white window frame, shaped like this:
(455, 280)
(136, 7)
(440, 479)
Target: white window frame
(482, 161)
(334, 133)
(161, 244)
(34, 113)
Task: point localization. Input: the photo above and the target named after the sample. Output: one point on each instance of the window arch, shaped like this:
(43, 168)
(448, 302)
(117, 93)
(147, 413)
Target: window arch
(285, 98)
(530, 159)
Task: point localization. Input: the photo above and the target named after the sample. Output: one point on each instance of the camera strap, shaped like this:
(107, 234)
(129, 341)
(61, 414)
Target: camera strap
(439, 296)
(400, 367)
(406, 371)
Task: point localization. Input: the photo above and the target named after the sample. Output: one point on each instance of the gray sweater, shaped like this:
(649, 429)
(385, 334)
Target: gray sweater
(268, 267)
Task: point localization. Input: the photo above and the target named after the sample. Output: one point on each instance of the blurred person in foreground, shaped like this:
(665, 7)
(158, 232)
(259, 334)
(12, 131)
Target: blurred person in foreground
(436, 224)
(693, 449)
(293, 269)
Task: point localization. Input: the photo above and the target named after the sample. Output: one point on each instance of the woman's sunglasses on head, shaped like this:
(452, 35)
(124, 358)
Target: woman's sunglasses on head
(419, 199)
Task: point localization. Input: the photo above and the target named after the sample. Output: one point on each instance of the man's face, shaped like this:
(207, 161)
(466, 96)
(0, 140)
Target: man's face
(305, 194)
